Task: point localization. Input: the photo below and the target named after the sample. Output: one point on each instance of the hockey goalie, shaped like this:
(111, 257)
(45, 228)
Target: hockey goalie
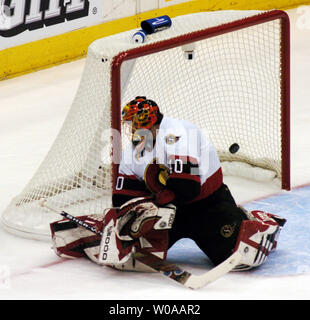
(170, 186)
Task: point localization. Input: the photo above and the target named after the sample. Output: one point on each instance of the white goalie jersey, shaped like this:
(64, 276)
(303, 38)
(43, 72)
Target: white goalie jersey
(183, 157)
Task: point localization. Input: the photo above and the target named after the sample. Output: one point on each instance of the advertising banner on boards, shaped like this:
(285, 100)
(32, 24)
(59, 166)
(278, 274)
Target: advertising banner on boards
(23, 21)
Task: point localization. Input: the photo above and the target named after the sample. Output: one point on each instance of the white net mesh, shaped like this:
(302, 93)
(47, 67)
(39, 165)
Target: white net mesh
(231, 89)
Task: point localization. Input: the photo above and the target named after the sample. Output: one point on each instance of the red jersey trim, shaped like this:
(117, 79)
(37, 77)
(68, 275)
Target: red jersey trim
(212, 184)
(185, 176)
(185, 159)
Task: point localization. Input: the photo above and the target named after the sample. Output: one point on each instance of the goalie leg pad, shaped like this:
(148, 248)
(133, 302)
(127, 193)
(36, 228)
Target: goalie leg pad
(113, 250)
(128, 228)
(155, 242)
(72, 241)
(257, 238)
(117, 253)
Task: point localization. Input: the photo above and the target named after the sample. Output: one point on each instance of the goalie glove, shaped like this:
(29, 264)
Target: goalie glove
(257, 237)
(140, 215)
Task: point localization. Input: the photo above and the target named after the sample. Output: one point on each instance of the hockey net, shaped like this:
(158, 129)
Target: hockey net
(236, 89)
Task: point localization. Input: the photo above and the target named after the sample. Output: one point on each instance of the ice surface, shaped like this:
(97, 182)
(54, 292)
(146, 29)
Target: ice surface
(32, 110)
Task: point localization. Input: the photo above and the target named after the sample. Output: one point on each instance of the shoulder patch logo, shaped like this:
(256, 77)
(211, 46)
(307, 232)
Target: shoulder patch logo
(171, 139)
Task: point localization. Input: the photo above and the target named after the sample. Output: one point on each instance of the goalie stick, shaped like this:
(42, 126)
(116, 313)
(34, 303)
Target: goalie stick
(164, 267)
(184, 277)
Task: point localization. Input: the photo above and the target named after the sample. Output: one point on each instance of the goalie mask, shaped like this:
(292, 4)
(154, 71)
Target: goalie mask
(128, 113)
(147, 116)
(139, 116)
(131, 108)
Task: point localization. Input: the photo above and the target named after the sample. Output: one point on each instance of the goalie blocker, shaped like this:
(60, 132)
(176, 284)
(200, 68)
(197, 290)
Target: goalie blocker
(139, 223)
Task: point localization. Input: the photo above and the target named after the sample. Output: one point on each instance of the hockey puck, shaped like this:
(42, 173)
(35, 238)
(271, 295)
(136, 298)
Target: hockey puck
(234, 148)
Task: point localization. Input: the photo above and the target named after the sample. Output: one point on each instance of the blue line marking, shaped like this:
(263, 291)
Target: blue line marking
(292, 255)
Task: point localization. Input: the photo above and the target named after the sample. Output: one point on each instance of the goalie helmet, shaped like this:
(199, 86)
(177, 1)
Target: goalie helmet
(131, 108)
(147, 116)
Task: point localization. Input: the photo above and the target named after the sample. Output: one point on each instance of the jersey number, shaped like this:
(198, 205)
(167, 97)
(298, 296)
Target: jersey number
(119, 183)
(176, 165)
